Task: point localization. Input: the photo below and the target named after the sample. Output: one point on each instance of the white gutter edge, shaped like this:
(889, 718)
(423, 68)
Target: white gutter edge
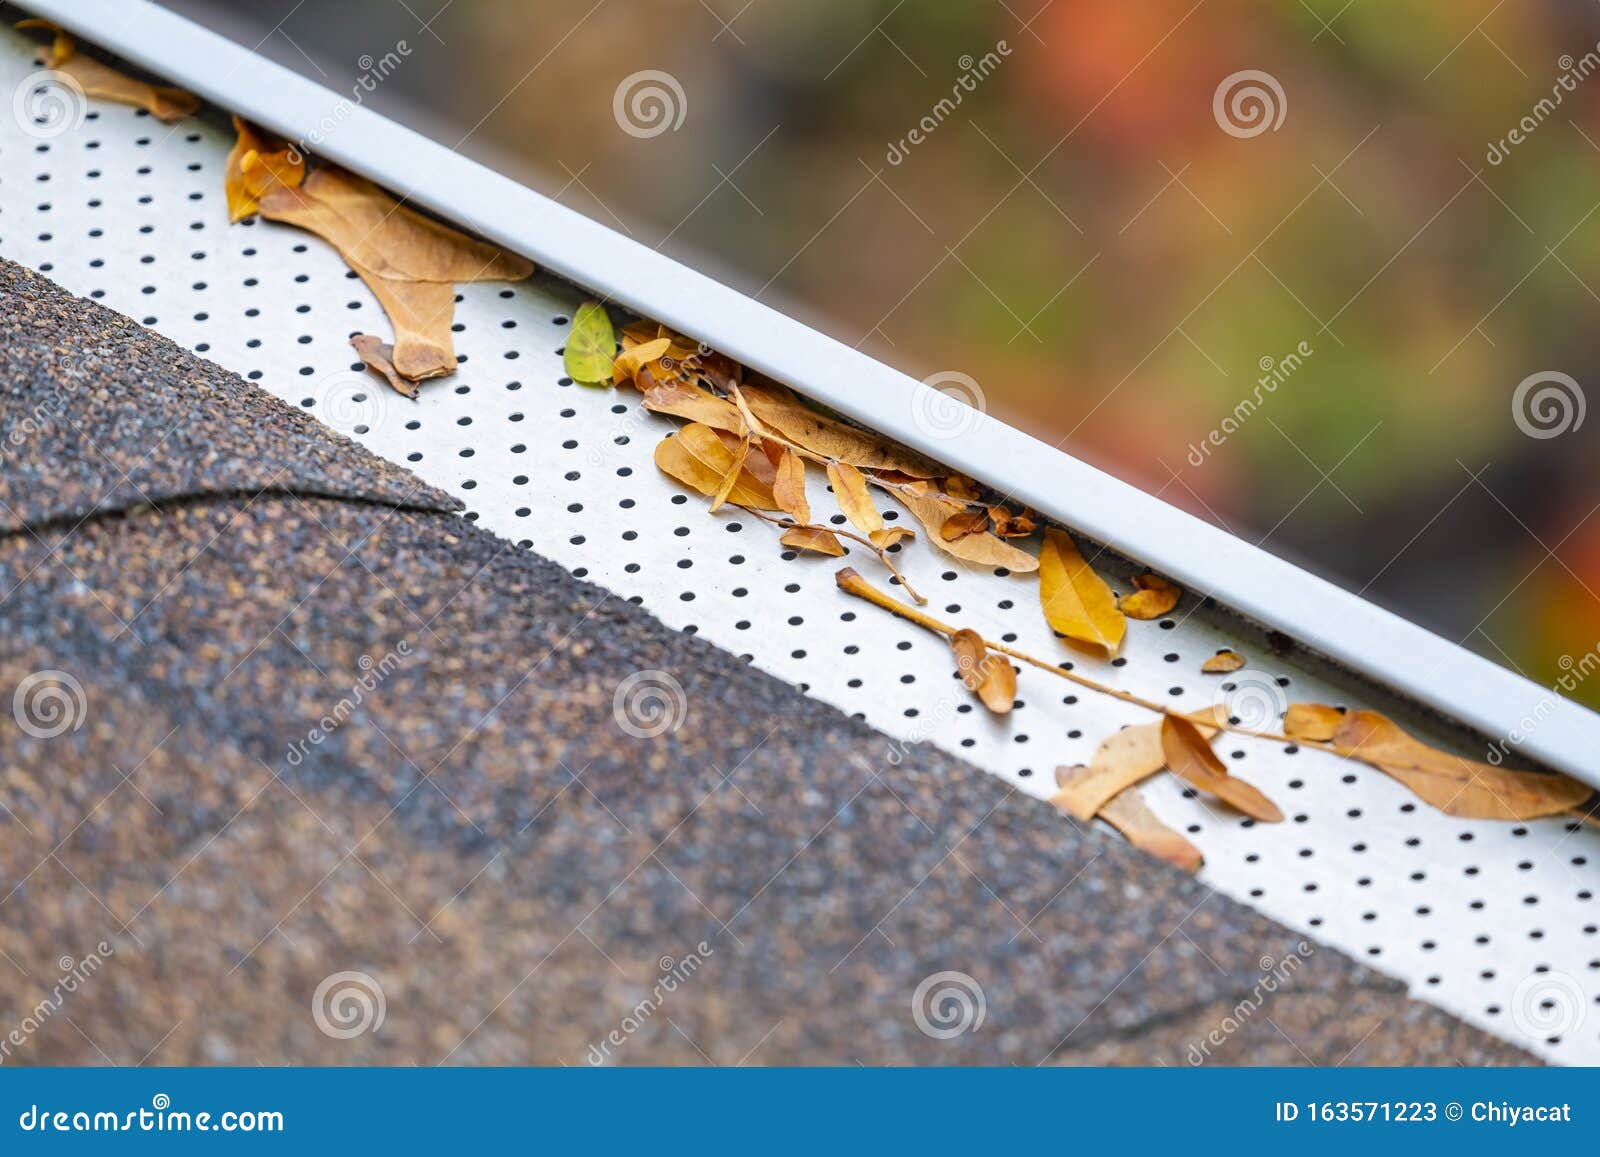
(1201, 557)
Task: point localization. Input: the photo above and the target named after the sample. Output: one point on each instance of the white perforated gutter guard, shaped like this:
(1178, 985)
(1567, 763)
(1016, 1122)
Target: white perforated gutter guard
(1316, 613)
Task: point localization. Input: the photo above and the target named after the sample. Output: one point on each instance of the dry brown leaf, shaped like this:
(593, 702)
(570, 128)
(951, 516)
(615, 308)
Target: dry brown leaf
(1189, 756)
(789, 486)
(818, 539)
(780, 409)
(1455, 785)
(889, 535)
(1009, 525)
(688, 400)
(1312, 721)
(1154, 598)
(1122, 760)
(1077, 602)
(633, 358)
(163, 102)
(981, 549)
(855, 502)
(1130, 815)
(421, 313)
(698, 458)
(257, 163)
(372, 229)
(964, 523)
(1222, 663)
(379, 358)
(992, 677)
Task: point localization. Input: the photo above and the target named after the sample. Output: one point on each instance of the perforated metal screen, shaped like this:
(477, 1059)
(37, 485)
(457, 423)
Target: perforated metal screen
(1496, 923)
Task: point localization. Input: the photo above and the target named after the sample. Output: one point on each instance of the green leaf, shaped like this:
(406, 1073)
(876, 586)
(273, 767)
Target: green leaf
(591, 346)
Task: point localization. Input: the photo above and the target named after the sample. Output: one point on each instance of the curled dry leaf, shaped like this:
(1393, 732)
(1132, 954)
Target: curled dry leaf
(1009, 525)
(163, 102)
(1130, 815)
(1222, 663)
(817, 539)
(889, 535)
(1154, 598)
(741, 455)
(698, 458)
(992, 677)
(591, 345)
(1189, 756)
(965, 522)
(789, 487)
(258, 162)
(379, 358)
(1077, 602)
(633, 358)
(1455, 785)
(981, 549)
(1123, 759)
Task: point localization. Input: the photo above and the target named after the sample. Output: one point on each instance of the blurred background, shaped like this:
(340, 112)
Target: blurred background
(1324, 272)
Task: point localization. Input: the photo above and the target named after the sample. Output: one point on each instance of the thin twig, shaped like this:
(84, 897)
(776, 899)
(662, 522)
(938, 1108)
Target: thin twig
(851, 582)
(881, 552)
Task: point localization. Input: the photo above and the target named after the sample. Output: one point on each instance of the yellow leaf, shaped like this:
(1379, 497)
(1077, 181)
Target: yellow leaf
(980, 549)
(850, 488)
(1154, 598)
(1455, 785)
(889, 535)
(591, 346)
(1222, 663)
(730, 477)
(813, 538)
(698, 458)
(633, 358)
(1189, 756)
(789, 487)
(1077, 602)
(992, 677)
